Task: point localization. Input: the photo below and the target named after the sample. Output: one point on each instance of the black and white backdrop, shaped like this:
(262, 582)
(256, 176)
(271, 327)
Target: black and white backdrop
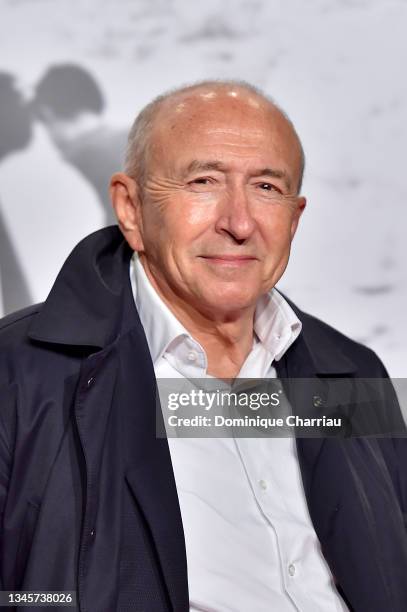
(73, 74)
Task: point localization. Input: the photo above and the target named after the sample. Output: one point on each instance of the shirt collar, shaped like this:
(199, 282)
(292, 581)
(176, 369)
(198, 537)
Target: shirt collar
(275, 323)
(161, 326)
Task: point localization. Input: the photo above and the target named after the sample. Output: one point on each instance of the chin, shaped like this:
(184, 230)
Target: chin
(228, 301)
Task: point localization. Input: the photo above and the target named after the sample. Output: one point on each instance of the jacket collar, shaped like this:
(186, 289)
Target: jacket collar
(91, 303)
(86, 305)
(315, 352)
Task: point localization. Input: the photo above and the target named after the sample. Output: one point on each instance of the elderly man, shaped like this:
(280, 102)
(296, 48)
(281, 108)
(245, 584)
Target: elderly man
(92, 499)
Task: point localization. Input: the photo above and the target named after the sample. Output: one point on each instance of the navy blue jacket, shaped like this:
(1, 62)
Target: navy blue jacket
(87, 494)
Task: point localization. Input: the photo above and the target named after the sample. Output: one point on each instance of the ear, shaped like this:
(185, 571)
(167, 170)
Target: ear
(125, 197)
(301, 203)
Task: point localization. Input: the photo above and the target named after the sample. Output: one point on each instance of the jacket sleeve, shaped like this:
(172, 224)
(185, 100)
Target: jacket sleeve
(394, 414)
(397, 459)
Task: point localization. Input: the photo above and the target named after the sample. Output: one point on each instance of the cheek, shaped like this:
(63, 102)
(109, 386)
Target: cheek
(277, 230)
(186, 225)
(169, 241)
(197, 209)
(180, 215)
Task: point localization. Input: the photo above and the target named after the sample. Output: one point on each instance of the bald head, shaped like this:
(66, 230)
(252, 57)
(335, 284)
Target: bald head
(174, 113)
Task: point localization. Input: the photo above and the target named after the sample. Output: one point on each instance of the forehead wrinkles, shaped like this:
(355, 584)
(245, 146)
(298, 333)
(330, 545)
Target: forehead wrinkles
(230, 145)
(230, 130)
(225, 143)
(223, 130)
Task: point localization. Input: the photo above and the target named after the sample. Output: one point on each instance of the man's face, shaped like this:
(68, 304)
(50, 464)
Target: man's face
(215, 226)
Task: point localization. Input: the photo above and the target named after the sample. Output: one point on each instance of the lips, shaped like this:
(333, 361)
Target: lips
(230, 257)
(229, 260)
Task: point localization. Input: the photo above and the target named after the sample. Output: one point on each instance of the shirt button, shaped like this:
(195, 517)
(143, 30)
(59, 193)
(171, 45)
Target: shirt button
(90, 382)
(192, 356)
(92, 533)
(263, 484)
(291, 569)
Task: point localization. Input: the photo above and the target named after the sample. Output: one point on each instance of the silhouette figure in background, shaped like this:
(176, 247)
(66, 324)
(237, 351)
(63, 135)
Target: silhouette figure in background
(15, 134)
(70, 103)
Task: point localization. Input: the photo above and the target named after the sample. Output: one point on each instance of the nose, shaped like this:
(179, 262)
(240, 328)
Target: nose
(235, 215)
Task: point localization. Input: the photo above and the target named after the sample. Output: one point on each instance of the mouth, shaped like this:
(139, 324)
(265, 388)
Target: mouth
(229, 260)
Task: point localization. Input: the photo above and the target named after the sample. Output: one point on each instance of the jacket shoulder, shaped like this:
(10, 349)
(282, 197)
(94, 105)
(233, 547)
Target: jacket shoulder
(15, 325)
(25, 360)
(14, 333)
(15, 344)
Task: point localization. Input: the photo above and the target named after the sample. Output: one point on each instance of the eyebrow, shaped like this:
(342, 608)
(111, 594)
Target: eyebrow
(274, 173)
(202, 166)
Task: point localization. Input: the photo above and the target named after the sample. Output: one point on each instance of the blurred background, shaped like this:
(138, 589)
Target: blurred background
(73, 74)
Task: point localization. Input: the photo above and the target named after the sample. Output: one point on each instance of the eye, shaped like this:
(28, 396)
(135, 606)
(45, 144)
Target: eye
(268, 187)
(201, 181)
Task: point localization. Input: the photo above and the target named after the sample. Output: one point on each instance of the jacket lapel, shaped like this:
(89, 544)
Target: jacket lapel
(149, 472)
(305, 370)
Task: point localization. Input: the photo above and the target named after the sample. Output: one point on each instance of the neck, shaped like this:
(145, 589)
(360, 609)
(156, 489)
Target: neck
(227, 344)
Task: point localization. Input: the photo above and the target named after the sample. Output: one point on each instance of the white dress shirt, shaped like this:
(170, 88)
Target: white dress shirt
(250, 543)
